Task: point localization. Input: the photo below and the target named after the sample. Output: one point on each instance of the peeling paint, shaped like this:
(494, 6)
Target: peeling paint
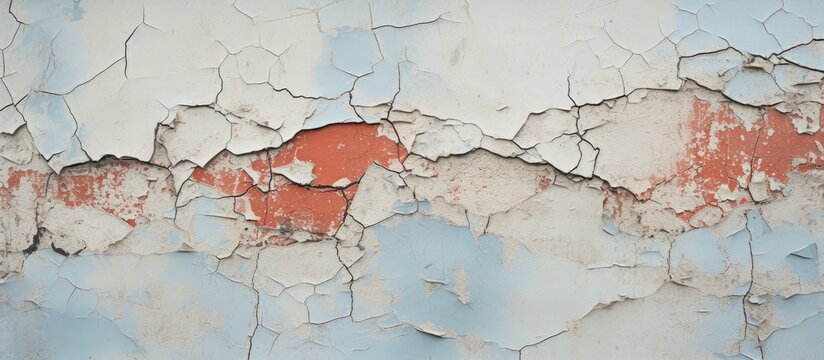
(381, 179)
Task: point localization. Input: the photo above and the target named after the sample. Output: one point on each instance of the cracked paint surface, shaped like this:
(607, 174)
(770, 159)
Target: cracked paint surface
(379, 179)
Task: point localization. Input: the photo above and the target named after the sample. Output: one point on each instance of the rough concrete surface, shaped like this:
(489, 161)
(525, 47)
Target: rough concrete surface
(393, 179)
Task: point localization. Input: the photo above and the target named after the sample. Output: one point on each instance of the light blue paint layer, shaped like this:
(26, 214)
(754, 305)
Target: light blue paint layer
(331, 112)
(805, 341)
(740, 23)
(773, 249)
(753, 87)
(789, 29)
(96, 306)
(210, 230)
(331, 300)
(810, 56)
(355, 51)
(345, 339)
(441, 275)
(50, 123)
(709, 253)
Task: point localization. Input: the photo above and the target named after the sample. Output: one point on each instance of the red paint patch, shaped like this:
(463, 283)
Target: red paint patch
(781, 150)
(31, 180)
(720, 151)
(276, 239)
(544, 180)
(119, 187)
(225, 173)
(724, 152)
(351, 191)
(340, 153)
(615, 200)
(290, 207)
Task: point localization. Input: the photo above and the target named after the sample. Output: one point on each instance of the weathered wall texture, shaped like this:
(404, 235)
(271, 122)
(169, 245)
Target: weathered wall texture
(387, 179)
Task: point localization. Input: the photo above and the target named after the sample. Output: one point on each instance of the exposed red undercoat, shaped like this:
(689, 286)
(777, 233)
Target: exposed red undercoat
(544, 180)
(724, 152)
(453, 194)
(781, 150)
(227, 181)
(654, 182)
(288, 207)
(615, 200)
(350, 192)
(225, 173)
(104, 187)
(720, 151)
(30, 180)
(340, 153)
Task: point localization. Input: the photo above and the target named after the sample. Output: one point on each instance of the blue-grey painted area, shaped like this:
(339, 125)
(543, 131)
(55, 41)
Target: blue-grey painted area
(789, 29)
(209, 228)
(124, 306)
(812, 11)
(371, 339)
(439, 277)
(331, 112)
(50, 123)
(380, 85)
(790, 312)
(809, 55)
(331, 300)
(785, 249)
(741, 23)
(675, 322)
(753, 87)
(355, 51)
(709, 253)
(804, 341)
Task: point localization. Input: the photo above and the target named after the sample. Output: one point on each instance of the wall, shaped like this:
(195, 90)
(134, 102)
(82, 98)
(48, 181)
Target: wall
(400, 179)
